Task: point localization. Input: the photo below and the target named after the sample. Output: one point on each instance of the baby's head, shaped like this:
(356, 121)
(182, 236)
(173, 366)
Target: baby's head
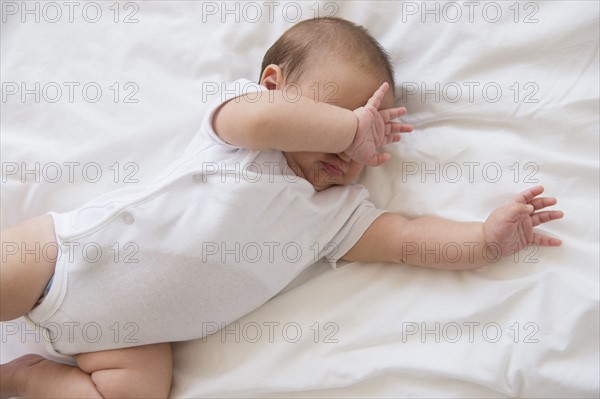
(330, 60)
(311, 42)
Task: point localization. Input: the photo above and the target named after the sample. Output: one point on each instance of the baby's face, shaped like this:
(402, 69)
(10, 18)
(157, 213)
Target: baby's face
(346, 86)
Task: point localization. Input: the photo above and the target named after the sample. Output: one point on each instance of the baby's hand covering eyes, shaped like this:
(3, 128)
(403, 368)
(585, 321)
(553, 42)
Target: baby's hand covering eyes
(376, 129)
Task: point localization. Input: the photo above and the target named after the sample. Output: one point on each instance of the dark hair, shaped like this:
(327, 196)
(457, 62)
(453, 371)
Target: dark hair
(328, 36)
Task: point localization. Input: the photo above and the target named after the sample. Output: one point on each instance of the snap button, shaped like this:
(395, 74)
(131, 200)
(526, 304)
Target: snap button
(128, 218)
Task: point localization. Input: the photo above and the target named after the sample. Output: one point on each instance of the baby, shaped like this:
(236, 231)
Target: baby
(322, 111)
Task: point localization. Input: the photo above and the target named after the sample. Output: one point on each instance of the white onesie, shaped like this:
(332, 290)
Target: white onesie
(215, 236)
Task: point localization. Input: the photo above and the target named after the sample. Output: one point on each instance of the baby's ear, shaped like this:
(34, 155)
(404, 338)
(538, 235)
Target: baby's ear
(272, 77)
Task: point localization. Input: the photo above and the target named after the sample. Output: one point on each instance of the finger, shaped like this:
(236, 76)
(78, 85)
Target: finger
(543, 202)
(545, 241)
(379, 159)
(529, 194)
(400, 128)
(517, 210)
(545, 217)
(375, 100)
(391, 138)
(392, 113)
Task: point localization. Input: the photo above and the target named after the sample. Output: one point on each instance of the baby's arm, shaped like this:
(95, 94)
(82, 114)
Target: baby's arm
(274, 122)
(444, 244)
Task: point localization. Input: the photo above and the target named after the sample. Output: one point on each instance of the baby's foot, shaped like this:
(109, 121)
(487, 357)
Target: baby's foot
(14, 374)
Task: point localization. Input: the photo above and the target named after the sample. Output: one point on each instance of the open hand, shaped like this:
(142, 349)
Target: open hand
(509, 228)
(375, 129)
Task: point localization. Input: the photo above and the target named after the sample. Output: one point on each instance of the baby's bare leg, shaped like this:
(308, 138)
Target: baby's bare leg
(34, 376)
(28, 256)
(138, 372)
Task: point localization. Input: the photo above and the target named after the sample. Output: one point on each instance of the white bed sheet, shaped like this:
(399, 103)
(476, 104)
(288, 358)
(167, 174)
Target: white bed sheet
(528, 112)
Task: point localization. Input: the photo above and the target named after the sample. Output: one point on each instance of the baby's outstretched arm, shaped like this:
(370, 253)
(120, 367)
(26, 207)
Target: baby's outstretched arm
(444, 244)
(274, 122)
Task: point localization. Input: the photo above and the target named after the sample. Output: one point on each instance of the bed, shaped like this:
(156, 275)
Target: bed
(503, 96)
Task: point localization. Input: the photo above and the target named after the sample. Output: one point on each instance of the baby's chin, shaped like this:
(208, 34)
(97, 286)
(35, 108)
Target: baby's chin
(321, 187)
(324, 185)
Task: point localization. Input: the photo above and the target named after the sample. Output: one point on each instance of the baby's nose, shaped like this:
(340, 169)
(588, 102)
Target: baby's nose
(344, 157)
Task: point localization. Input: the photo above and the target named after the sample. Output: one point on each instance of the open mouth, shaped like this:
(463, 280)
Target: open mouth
(331, 169)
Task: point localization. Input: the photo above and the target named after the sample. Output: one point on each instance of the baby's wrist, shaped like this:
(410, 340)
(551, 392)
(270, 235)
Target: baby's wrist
(355, 134)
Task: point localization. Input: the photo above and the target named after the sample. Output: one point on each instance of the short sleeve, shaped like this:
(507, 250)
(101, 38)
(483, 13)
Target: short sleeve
(231, 92)
(362, 217)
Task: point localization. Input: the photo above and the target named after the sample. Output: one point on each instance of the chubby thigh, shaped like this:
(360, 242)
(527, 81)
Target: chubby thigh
(143, 370)
(29, 252)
